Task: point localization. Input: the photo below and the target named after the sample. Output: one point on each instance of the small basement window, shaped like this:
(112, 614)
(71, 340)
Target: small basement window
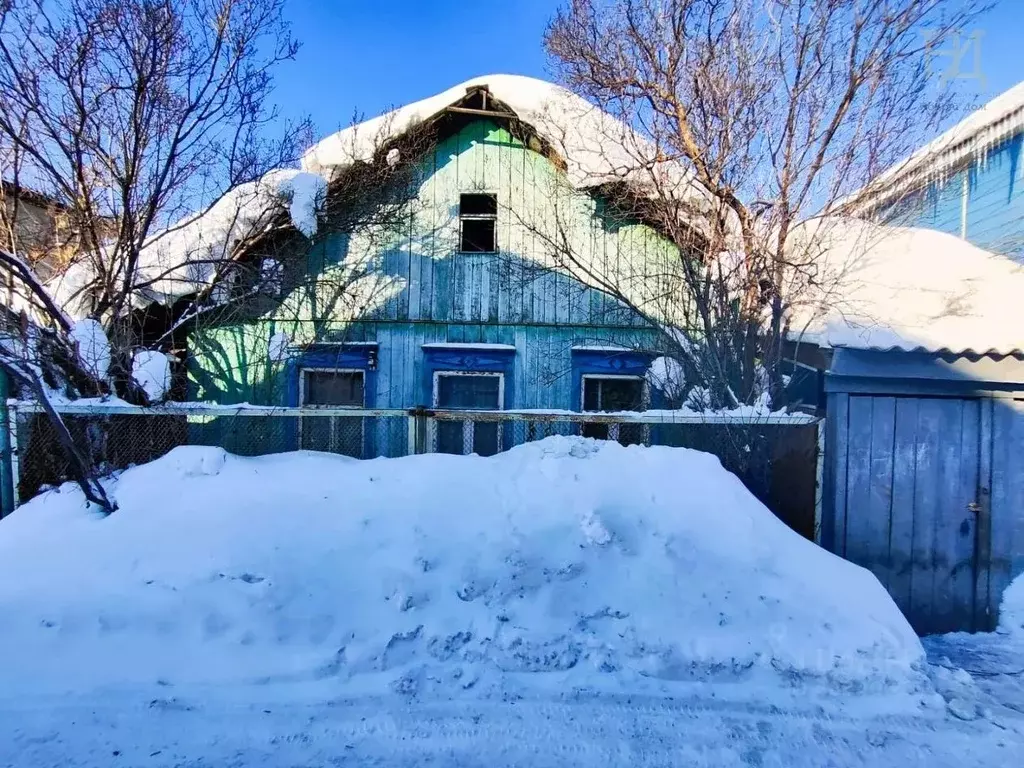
(457, 390)
(333, 388)
(478, 218)
(614, 393)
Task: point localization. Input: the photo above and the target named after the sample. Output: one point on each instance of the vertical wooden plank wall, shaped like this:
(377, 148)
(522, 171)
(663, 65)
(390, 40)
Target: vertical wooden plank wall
(960, 534)
(901, 525)
(908, 490)
(512, 297)
(1007, 498)
(983, 201)
(985, 612)
(833, 525)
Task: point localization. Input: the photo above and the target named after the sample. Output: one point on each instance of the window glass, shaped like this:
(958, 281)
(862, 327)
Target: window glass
(341, 389)
(335, 434)
(469, 391)
(612, 394)
(455, 391)
(478, 236)
(478, 215)
(478, 205)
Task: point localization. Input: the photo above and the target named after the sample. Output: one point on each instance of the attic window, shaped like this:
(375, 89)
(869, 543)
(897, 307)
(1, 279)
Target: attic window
(478, 218)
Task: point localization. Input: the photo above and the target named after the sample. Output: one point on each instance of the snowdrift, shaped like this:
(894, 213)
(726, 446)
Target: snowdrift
(599, 566)
(1011, 609)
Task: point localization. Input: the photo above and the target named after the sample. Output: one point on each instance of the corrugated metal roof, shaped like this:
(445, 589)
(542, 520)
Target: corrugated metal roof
(917, 371)
(941, 351)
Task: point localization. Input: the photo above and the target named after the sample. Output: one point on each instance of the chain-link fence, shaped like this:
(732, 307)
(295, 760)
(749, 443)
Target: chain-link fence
(777, 456)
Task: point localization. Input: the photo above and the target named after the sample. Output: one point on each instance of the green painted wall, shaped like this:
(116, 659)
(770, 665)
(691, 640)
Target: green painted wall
(415, 287)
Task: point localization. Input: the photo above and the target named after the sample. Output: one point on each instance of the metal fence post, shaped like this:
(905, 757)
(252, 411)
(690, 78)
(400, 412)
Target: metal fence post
(8, 451)
(417, 430)
(819, 478)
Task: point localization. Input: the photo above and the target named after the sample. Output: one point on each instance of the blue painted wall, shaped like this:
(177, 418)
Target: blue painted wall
(421, 290)
(984, 199)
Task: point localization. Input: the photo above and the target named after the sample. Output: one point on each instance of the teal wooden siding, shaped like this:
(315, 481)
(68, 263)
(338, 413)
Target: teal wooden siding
(439, 295)
(983, 201)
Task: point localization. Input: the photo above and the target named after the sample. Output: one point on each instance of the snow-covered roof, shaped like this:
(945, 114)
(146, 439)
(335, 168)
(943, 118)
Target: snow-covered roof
(596, 147)
(185, 257)
(972, 137)
(907, 288)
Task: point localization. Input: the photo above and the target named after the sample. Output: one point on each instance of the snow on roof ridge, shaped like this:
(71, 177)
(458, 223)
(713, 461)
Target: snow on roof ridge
(596, 146)
(330, 151)
(973, 135)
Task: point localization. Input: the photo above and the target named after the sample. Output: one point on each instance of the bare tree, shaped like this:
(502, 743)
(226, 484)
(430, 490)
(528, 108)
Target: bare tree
(149, 127)
(132, 114)
(751, 117)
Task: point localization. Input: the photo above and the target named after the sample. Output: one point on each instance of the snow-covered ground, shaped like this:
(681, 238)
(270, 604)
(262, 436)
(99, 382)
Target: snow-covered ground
(984, 672)
(566, 603)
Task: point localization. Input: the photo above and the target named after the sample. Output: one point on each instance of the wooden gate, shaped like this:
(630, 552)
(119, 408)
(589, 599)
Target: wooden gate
(910, 481)
(1003, 552)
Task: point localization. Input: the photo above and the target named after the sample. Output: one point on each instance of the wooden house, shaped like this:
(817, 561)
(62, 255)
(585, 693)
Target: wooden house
(466, 305)
(968, 182)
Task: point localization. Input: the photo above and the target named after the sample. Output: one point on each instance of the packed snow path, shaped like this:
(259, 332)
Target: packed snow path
(214, 727)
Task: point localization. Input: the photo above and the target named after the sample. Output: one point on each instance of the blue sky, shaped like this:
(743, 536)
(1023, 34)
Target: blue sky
(369, 56)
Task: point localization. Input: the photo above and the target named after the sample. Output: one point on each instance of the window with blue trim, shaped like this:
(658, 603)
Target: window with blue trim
(472, 377)
(462, 390)
(335, 376)
(333, 388)
(610, 380)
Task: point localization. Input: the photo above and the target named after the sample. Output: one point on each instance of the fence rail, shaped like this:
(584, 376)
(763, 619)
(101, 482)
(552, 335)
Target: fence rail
(775, 455)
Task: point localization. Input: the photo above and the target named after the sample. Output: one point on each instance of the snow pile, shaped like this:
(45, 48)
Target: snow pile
(93, 347)
(1011, 610)
(667, 374)
(151, 370)
(604, 567)
(869, 286)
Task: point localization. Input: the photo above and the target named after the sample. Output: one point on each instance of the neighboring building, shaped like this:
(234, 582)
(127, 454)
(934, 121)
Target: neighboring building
(968, 182)
(466, 308)
(42, 227)
(924, 378)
